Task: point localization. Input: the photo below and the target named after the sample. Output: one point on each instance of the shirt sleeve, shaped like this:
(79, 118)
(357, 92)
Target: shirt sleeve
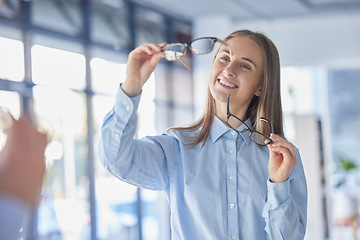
(285, 211)
(12, 214)
(140, 162)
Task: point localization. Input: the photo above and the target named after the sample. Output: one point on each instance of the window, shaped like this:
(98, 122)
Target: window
(61, 98)
(58, 68)
(11, 59)
(64, 207)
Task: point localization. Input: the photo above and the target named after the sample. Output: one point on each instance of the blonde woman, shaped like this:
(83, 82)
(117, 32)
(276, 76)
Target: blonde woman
(231, 174)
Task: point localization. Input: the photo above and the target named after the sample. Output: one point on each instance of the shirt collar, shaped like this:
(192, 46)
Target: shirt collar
(218, 128)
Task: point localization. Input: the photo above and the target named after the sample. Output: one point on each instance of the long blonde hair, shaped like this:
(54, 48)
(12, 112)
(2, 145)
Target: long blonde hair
(268, 105)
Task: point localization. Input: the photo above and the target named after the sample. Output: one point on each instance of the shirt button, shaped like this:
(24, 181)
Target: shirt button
(232, 206)
(234, 237)
(128, 108)
(231, 151)
(233, 133)
(231, 177)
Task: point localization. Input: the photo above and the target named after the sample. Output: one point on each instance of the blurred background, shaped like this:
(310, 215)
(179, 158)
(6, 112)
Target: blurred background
(63, 60)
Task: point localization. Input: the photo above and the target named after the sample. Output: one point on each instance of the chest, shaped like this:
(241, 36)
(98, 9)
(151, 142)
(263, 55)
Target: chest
(227, 165)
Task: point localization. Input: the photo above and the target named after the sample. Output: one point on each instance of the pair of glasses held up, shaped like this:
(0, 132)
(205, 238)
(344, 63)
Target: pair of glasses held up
(255, 136)
(199, 46)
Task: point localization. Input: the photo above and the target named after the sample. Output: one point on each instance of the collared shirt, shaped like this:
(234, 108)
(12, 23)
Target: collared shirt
(218, 191)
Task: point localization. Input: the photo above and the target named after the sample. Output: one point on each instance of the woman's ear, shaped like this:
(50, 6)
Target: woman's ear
(258, 91)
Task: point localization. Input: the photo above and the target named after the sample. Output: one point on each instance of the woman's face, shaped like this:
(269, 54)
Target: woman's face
(239, 77)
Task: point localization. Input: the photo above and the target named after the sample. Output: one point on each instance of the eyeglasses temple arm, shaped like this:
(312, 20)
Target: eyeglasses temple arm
(228, 107)
(187, 66)
(226, 44)
(271, 126)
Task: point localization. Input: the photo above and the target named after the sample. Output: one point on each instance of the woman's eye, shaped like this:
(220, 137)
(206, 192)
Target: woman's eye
(224, 58)
(245, 66)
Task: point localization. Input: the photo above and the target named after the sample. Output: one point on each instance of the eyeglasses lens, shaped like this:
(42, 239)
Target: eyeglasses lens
(255, 136)
(174, 51)
(202, 46)
(262, 138)
(259, 138)
(234, 122)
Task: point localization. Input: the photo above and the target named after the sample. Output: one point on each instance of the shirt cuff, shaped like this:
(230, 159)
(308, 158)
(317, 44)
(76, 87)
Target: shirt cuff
(278, 193)
(125, 104)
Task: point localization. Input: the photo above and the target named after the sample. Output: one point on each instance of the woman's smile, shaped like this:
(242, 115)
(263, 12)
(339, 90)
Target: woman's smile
(226, 83)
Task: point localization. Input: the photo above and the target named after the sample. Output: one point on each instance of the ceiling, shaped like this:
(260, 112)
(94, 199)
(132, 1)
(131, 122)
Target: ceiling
(252, 9)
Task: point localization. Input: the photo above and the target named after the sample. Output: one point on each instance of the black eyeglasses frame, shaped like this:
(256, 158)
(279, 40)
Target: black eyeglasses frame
(228, 115)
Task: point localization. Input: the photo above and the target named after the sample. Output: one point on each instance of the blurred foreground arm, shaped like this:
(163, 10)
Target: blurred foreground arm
(22, 168)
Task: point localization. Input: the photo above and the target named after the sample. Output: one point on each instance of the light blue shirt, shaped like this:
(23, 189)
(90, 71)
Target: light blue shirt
(219, 191)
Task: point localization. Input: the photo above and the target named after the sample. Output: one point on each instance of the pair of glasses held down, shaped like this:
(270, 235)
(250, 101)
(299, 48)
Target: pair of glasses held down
(199, 46)
(255, 136)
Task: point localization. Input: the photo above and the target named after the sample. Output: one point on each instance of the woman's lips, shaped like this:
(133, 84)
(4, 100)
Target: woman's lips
(226, 83)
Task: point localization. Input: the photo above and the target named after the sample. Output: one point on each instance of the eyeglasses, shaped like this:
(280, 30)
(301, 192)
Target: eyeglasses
(255, 136)
(199, 46)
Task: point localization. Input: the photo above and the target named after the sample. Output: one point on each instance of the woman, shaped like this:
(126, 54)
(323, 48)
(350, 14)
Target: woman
(222, 181)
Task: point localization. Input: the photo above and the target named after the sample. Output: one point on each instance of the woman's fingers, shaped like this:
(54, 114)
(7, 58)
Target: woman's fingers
(282, 158)
(149, 48)
(279, 142)
(141, 63)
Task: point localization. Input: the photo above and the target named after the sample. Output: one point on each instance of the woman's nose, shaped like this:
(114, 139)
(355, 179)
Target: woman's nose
(229, 71)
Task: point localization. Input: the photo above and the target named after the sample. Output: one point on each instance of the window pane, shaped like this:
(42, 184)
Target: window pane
(116, 201)
(10, 10)
(11, 59)
(151, 27)
(109, 24)
(54, 67)
(65, 15)
(64, 207)
(155, 215)
(106, 75)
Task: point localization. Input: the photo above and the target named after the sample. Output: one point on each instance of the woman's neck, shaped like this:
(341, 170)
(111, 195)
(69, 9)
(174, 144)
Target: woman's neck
(221, 112)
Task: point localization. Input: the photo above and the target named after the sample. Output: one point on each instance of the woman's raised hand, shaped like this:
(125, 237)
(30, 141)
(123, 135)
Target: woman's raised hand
(141, 63)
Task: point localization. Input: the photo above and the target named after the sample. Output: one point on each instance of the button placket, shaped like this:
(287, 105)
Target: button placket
(231, 168)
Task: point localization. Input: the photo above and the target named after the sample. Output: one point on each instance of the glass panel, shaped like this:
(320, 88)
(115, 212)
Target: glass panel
(109, 24)
(344, 112)
(182, 86)
(151, 27)
(65, 16)
(182, 90)
(146, 111)
(64, 207)
(54, 67)
(115, 200)
(106, 75)
(155, 215)
(11, 59)
(9, 9)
